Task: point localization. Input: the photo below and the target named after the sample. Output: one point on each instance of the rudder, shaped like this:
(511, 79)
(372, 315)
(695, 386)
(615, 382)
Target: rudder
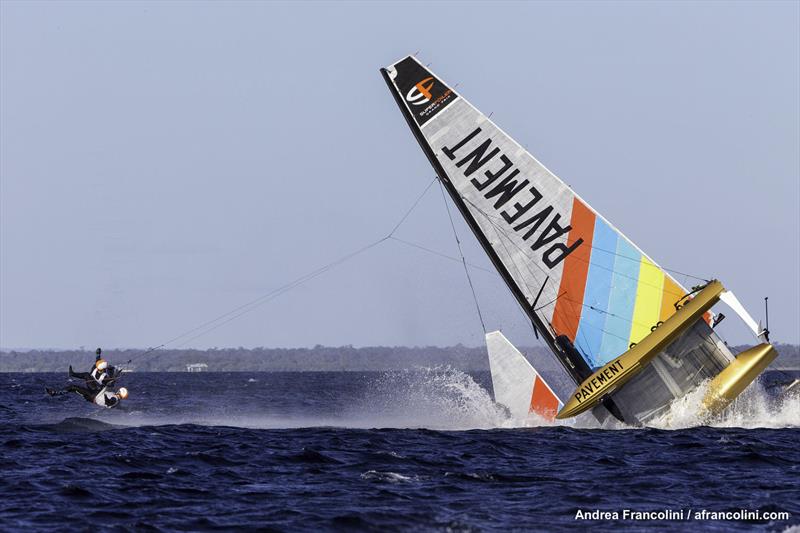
(518, 385)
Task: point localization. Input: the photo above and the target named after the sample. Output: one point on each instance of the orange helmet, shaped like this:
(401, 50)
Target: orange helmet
(122, 393)
(101, 364)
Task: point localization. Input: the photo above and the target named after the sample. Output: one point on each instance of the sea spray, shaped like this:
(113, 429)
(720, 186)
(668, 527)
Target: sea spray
(754, 408)
(438, 397)
(435, 397)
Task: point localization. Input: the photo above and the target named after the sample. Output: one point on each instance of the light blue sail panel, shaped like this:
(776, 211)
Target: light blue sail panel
(624, 282)
(596, 296)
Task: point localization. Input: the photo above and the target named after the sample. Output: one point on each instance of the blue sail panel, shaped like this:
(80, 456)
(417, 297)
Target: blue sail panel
(598, 291)
(622, 298)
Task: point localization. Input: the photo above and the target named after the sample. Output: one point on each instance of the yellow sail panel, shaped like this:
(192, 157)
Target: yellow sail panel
(647, 309)
(616, 373)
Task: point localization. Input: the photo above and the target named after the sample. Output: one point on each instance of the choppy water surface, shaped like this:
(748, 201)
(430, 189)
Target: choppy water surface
(421, 450)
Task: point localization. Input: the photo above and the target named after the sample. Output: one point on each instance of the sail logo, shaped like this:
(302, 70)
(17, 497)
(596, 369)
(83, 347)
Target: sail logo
(420, 94)
(530, 216)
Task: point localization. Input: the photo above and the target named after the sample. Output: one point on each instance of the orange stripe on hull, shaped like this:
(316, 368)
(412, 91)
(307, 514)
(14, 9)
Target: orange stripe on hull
(567, 313)
(543, 402)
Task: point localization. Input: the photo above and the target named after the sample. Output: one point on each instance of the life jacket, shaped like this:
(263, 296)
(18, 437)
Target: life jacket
(100, 376)
(106, 399)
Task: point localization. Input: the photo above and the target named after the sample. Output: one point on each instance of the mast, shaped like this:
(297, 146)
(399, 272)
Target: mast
(602, 294)
(560, 346)
(536, 321)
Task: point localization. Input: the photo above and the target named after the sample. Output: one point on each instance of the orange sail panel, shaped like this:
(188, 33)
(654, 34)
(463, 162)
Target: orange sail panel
(567, 314)
(672, 293)
(543, 401)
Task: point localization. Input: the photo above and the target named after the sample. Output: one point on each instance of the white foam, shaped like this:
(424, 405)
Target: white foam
(754, 408)
(444, 398)
(436, 398)
(391, 477)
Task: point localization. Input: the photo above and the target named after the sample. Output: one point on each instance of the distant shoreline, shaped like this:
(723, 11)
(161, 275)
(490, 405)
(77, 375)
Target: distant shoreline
(316, 359)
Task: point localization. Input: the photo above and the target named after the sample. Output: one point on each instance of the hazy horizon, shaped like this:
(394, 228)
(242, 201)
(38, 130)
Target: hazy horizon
(164, 163)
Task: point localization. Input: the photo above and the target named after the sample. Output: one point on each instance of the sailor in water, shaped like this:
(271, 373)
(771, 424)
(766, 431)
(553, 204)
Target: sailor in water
(97, 382)
(101, 375)
(103, 397)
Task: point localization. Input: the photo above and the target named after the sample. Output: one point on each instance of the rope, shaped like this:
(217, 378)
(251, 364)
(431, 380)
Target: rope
(416, 202)
(463, 260)
(445, 256)
(286, 288)
(521, 279)
(489, 218)
(245, 308)
(536, 309)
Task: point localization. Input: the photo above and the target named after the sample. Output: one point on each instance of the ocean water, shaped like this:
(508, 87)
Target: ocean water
(422, 450)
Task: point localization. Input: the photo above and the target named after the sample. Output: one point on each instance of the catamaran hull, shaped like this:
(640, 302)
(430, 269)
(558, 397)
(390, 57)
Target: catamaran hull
(618, 372)
(732, 381)
(589, 292)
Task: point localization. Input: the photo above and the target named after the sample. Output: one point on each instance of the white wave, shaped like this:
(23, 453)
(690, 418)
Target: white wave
(754, 408)
(444, 398)
(436, 398)
(448, 399)
(390, 477)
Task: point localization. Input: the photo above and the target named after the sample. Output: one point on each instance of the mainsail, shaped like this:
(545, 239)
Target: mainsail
(589, 291)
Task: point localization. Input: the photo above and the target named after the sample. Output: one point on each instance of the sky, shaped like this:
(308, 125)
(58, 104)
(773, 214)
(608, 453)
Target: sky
(162, 164)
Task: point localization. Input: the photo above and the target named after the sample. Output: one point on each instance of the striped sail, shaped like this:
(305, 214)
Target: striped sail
(599, 290)
(586, 287)
(610, 293)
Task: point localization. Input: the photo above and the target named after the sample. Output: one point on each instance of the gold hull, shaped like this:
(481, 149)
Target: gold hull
(619, 371)
(729, 383)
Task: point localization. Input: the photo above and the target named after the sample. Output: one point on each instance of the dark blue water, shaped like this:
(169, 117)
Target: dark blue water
(305, 452)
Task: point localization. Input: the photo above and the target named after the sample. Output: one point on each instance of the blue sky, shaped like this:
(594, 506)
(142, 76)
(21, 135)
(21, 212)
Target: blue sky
(163, 163)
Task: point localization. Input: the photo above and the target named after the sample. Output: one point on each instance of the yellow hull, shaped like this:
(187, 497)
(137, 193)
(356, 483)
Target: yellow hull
(619, 371)
(729, 383)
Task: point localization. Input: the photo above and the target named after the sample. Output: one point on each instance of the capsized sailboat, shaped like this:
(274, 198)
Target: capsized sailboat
(627, 334)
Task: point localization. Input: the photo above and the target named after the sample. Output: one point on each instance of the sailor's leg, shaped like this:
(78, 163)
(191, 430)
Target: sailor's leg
(87, 394)
(80, 375)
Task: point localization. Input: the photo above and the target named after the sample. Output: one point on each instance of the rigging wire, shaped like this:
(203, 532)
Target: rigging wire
(245, 308)
(286, 288)
(525, 281)
(413, 206)
(525, 254)
(489, 218)
(538, 308)
(445, 256)
(463, 260)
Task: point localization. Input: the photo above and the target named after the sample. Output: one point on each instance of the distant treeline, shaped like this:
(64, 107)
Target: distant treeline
(318, 358)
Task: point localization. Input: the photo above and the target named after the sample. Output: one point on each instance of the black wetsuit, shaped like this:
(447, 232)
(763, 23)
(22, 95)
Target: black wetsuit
(96, 383)
(89, 395)
(111, 374)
